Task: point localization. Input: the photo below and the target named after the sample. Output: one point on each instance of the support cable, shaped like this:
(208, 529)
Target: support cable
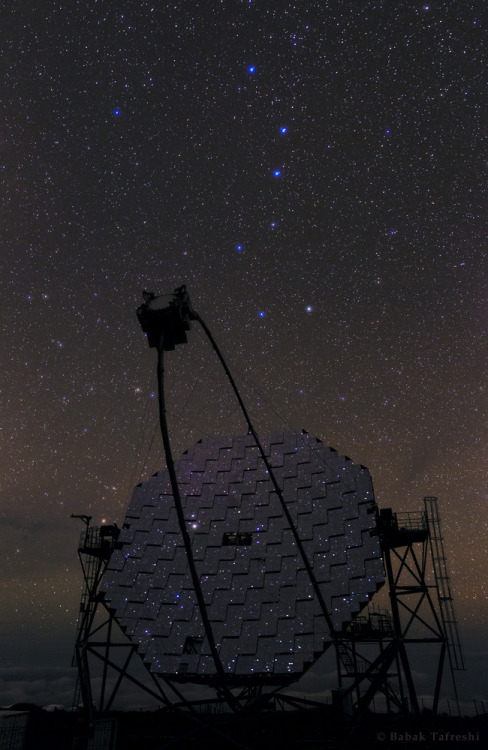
(195, 316)
(181, 520)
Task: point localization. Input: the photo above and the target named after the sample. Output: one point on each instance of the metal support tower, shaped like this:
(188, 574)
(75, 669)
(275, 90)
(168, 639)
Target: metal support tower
(356, 649)
(96, 641)
(422, 613)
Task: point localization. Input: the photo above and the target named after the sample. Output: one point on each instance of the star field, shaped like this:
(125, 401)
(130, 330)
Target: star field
(316, 174)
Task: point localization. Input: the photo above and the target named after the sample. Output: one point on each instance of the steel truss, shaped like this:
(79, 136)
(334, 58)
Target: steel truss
(95, 635)
(419, 616)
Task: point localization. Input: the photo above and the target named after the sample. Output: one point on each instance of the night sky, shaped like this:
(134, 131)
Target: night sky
(315, 173)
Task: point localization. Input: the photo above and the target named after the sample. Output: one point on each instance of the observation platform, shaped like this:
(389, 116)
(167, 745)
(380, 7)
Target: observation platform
(99, 541)
(401, 529)
(370, 627)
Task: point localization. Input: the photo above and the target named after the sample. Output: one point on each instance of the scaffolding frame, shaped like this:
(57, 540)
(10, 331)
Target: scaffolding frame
(95, 630)
(421, 613)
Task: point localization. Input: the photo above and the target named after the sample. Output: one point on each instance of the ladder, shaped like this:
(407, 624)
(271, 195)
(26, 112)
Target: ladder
(443, 585)
(93, 563)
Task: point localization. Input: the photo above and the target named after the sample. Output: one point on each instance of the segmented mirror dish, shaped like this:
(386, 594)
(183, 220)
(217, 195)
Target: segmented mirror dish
(264, 612)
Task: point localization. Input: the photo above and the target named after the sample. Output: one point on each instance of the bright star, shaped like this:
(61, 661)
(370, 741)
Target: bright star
(283, 129)
(309, 308)
(238, 247)
(261, 314)
(251, 69)
(116, 112)
(277, 173)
